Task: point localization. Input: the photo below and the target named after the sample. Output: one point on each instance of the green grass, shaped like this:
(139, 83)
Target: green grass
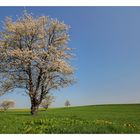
(84, 119)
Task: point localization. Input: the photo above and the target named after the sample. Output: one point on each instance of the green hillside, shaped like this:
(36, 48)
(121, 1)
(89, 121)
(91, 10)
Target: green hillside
(93, 119)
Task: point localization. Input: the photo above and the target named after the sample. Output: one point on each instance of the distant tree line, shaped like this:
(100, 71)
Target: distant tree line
(6, 104)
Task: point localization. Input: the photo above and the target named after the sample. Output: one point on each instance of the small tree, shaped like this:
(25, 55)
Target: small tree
(5, 105)
(67, 103)
(47, 101)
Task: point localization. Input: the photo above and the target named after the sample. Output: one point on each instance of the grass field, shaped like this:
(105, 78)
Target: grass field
(84, 119)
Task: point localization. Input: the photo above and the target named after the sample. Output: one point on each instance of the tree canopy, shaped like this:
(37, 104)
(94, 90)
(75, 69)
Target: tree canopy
(34, 55)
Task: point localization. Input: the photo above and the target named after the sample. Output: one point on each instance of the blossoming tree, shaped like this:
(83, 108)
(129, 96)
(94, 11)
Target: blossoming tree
(6, 104)
(34, 55)
(47, 101)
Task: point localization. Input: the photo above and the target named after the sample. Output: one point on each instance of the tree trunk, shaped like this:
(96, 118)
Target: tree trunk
(34, 109)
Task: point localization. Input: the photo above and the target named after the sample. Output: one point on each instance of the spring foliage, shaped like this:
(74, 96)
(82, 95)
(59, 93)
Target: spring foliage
(47, 101)
(34, 55)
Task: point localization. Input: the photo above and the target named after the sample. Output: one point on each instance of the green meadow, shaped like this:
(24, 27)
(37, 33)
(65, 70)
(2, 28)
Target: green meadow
(94, 119)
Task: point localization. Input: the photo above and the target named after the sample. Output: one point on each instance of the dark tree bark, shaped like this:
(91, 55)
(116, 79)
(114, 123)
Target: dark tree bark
(34, 106)
(34, 109)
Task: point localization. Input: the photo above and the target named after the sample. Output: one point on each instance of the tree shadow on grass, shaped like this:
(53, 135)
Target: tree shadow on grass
(22, 114)
(26, 114)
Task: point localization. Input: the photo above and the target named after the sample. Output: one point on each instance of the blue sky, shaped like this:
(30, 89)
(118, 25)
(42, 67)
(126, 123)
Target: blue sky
(107, 48)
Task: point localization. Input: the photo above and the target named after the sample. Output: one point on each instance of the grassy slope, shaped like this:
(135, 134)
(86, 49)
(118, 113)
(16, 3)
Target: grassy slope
(119, 115)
